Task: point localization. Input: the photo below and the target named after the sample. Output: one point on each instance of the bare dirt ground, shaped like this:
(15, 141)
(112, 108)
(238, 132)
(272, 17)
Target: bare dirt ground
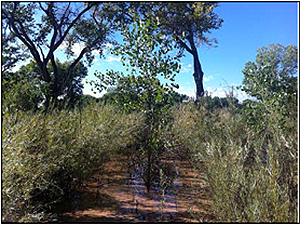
(114, 196)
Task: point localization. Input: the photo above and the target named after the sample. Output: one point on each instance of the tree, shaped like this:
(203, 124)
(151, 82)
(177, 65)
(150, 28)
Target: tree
(145, 53)
(25, 90)
(272, 80)
(273, 73)
(22, 89)
(12, 52)
(62, 24)
(71, 88)
(188, 23)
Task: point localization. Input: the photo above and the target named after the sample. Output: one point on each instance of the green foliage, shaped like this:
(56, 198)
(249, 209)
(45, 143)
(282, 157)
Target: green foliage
(113, 97)
(187, 20)
(43, 27)
(252, 174)
(12, 53)
(188, 23)
(46, 157)
(146, 53)
(216, 102)
(24, 89)
(271, 79)
(21, 96)
(272, 75)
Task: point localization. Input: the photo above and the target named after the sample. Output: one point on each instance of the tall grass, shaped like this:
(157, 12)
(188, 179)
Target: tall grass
(248, 157)
(252, 173)
(46, 157)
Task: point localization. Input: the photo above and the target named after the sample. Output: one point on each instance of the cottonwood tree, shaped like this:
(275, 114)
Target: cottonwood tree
(189, 23)
(146, 54)
(25, 89)
(272, 73)
(272, 79)
(46, 27)
(12, 52)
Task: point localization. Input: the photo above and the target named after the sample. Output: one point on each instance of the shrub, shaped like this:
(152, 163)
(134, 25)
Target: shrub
(46, 157)
(251, 170)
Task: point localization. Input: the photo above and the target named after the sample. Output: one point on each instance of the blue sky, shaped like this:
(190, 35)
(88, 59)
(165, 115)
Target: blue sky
(247, 27)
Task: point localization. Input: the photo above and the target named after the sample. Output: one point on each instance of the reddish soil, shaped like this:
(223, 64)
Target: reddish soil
(113, 196)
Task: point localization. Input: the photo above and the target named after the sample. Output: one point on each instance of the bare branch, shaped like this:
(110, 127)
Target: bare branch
(64, 14)
(25, 39)
(55, 32)
(41, 50)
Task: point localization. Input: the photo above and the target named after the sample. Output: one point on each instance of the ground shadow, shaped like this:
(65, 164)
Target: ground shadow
(110, 196)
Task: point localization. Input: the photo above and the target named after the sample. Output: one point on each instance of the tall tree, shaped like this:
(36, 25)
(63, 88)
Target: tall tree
(12, 52)
(189, 23)
(25, 90)
(62, 24)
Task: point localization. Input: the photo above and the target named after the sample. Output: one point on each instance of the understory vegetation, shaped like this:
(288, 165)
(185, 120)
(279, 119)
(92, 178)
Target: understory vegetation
(252, 173)
(251, 168)
(47, 157)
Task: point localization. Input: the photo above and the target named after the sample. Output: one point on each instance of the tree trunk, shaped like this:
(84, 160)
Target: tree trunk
(198, 76)
(198, 73)
(148, 182)
(47, 79)
(47, 103)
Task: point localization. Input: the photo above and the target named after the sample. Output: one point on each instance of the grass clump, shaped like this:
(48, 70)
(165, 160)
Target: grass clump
(46, 157)
(251, 168)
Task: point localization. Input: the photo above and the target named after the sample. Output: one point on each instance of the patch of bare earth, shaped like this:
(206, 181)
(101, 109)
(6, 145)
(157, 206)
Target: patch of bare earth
(115, 196)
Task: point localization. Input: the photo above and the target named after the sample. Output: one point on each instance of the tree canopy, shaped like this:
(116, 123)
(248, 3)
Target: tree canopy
(25, 90)
(272, 80)
(189, 23)
(273, 72)
(186, 23)
(62, 24)
(43, 28)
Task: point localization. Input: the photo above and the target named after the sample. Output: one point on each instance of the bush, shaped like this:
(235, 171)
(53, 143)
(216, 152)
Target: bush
(46, 157)
(251, 170)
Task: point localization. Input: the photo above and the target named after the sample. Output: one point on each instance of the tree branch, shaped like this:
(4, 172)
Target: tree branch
(41, 50)
(63, 17)
(184, 45)
(71, 67)
(94, 17)
(55, 28)
(25, 39)
(71, 25)
(55, 71)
